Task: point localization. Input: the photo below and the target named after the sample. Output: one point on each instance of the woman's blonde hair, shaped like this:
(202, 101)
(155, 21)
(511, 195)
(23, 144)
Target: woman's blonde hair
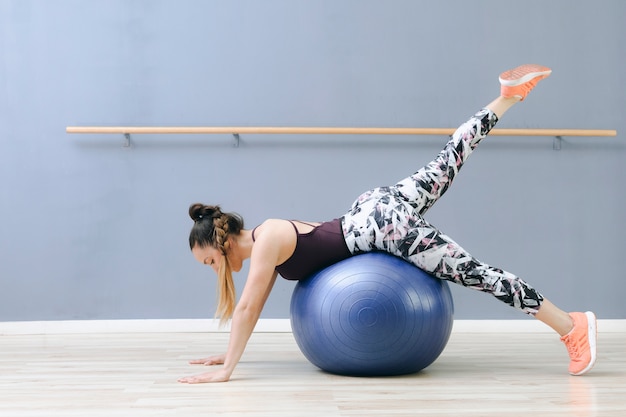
(212, 228)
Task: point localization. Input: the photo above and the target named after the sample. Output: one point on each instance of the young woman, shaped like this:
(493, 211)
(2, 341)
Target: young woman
(383, 219)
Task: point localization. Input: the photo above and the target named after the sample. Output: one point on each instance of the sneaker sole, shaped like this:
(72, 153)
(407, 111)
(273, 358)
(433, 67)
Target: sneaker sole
(592, 335)
(523, 74)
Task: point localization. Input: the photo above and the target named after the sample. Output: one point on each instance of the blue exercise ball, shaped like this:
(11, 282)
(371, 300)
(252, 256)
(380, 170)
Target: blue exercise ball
(373, 314)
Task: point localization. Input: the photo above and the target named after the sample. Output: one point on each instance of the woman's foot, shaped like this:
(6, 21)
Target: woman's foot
(581, 342)
(518, 82)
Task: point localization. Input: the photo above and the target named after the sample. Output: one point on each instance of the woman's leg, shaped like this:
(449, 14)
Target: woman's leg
(554, 317)
(422, 189)
(418, 192)
(390, 219)
(428, 184)
(426, 247)
(388, 224)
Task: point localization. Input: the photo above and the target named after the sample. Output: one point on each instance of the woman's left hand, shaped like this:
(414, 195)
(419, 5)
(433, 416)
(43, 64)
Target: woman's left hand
(215, 376)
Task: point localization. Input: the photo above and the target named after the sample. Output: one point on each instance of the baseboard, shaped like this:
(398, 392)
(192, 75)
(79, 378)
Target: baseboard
(264, 325)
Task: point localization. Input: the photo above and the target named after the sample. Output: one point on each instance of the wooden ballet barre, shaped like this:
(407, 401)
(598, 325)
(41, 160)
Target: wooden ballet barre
(236, 131)
(127, 130)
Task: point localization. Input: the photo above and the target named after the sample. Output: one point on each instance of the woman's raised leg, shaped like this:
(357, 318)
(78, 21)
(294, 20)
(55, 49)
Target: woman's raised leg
(426, 186)
(423, 188)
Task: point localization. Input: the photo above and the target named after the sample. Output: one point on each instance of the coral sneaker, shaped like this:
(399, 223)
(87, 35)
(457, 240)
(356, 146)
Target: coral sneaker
(518, 82)
(581, 342)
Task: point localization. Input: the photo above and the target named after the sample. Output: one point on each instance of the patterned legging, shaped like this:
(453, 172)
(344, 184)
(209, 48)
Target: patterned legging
(390, 219)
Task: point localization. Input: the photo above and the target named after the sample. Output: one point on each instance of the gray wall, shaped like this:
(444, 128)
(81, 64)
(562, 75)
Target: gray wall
(90, 230)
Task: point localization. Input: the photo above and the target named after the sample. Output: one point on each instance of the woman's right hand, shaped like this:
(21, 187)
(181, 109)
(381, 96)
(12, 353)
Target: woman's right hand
(211, 360)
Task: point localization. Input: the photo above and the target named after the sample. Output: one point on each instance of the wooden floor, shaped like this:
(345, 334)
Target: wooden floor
(135, 375)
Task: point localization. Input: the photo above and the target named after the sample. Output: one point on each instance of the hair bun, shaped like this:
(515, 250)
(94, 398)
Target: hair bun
(199, 211)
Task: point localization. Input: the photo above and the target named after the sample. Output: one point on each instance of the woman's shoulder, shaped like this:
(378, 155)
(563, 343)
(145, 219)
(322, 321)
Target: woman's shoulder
(269, 223)
(273, 226)
(275, 234)
(287, 225)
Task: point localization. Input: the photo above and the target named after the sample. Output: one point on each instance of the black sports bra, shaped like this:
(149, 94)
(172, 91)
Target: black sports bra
(317, 249)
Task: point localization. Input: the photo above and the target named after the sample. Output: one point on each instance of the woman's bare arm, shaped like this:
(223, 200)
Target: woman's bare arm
(261, 277)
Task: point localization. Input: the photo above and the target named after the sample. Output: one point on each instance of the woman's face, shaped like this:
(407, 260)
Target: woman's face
(208, 256)
(214, 258)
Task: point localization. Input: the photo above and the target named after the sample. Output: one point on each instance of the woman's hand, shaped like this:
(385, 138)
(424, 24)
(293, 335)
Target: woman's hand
(216, 376)
(211, 360)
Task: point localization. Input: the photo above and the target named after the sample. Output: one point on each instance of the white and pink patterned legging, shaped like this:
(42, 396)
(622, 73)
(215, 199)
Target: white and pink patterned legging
(391, 219)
